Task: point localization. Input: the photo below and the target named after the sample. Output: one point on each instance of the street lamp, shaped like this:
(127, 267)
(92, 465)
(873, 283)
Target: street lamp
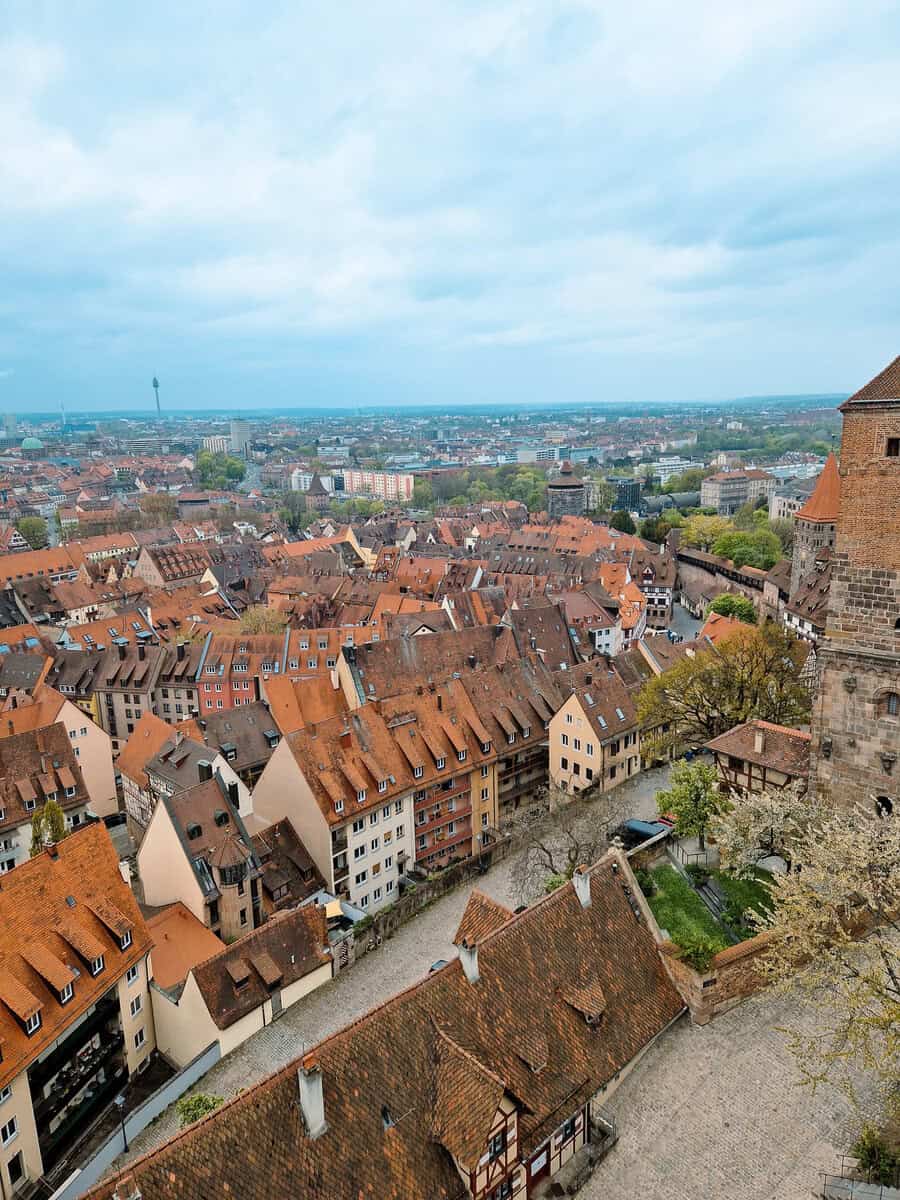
(120, 1105)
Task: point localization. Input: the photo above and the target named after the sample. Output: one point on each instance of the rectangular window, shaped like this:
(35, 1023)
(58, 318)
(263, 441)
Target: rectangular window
(33, 1024)
(5, 1094)
(359, 852)
(398, 806)
(386, 811)
(374, 844)
(373, 818)
(422, 843)
(399, 831)
(97, 965)
(131, 975)
(568, 718)
(376, 894)
(359, 826)
(361, 877)
(389, 862)
(589, 749)
(363, 902)
(389, 886)
(485, 793)
(576, 744)
(125, 940)
(484, 772)
(8, 1131)
(136, 1005)
(564, 764)
(496, 1145)
(139, 1038)
(892, 448)
(484, 820)
(66, 994)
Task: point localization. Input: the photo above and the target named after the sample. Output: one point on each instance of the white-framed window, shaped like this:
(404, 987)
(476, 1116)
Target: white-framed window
(97, 965)
(66, 994)
(139, 1038)
(398, 806)
(441, 763)
(568, 718)
(374, 844)
(564, 738)
(511, 738)
(382, 785)
(361, 796)
(461, 755)
(9, 1131)
(33, 1023)
(363, 902)
(485, 793)
(361, 877)
(338, 806)
(131, 975)
(589, 749)
(389, 886)
(359, 825)
(125, 941)
(484, 820)
(5, 1093)
(484, 771)
(376, 894)
(418, 772)
(359, 852)
(386, 811)
(373, 818)
(389, 862)
(399, 831)
(576, 743)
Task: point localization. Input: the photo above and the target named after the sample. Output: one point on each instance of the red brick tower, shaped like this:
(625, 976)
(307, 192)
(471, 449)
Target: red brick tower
(856, 713)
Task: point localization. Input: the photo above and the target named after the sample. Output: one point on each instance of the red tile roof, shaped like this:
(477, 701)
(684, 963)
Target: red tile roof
(885, 386)
(825, 502)
(413, 1080)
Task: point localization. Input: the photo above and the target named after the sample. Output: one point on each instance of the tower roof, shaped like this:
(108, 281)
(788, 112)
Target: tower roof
(825, 502)
(885, 386)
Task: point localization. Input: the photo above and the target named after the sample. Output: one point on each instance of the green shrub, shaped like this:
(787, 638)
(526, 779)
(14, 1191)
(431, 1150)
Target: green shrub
(698, 950)
(554, 882)
(697, 874)
(645, 881)
(193, 1108)
(880, 1165)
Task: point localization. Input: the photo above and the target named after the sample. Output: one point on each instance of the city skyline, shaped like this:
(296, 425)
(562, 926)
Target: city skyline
(505, 203)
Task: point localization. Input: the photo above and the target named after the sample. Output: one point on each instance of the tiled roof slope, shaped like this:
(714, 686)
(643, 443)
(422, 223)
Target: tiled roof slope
(37, 923)
(482, 916)
(784, 748)
(885, 386)
(240, 978)
(825, 502)
(385, 1107)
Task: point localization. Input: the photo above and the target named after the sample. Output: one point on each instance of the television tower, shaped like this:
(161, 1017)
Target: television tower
(156, 391)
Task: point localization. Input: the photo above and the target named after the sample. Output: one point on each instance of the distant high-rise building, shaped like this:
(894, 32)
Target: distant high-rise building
(217, 443)
(565, 494)
(240, 438)
(10, 425)
(628, 494)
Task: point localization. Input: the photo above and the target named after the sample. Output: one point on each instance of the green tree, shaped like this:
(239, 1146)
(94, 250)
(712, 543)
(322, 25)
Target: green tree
(423, 494)
(693, 799)
(218, 471)
(260, 619)
(702, 531)
(754, 674)
(622, 521)
(34, 531)
(731, 605)
(759, 548)
(48, 826)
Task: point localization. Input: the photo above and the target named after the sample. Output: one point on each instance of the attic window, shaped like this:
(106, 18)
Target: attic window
(485, 747)
(526, 731)
(417, 772)
(97, 965)
(193, 831)
(125, 940)
(441, 763)
(620, 714)
(461, 755)
(361, 796)
(66, 994)
(511, 737)
(382, 785)
(387, 1120)
(33, 1023)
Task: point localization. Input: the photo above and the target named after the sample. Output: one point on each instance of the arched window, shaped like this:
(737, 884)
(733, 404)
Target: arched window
(884, 806)
(889, 704)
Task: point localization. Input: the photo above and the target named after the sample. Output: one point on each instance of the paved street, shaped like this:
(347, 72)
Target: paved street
(682, 622)
(709, 1112)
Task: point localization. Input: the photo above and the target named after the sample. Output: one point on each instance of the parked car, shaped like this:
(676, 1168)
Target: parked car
(635, 833)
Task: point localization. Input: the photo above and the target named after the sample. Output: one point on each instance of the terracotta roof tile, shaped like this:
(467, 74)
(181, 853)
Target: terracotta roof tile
(825, 502)
(885, 386)
(482, 916)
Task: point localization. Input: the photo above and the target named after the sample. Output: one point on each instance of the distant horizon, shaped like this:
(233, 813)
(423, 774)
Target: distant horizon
(779, 399)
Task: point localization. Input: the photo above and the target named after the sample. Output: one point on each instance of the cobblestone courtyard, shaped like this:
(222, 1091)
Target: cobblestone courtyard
(709, 1112)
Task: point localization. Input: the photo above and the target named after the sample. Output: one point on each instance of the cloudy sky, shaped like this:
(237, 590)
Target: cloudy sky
(443, 200)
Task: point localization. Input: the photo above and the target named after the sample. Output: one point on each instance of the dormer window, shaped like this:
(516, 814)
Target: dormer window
(194, 831)
(97, 965)
(441, 763)
(418, 772)
(70, 792)
(361, 796)
(526, 732)
(511, 737)
(338, 806)
(66, 994)
(30, 805)
(382, 785)
(485, 747)
(461, 755)
(33, 1023)
(125, 940)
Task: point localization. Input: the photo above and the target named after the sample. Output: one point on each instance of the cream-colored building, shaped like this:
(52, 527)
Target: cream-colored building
(595, 739)
(241, 989)
(75, 1014)
(91, 744)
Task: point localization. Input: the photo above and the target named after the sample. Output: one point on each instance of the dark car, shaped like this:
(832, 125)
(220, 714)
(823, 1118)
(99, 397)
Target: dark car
(635, 833)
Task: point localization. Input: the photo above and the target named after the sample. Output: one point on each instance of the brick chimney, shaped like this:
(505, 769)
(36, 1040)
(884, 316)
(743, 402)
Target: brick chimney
(312, 1098)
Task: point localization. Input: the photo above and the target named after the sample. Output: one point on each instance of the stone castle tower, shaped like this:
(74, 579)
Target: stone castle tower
(856, 713)
(815, 524)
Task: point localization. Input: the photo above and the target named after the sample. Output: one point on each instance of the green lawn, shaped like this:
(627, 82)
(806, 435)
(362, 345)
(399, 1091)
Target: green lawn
(747, 893)
(680, 910)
